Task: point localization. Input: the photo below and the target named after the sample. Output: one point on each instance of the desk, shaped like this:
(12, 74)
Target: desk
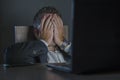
(40, 72)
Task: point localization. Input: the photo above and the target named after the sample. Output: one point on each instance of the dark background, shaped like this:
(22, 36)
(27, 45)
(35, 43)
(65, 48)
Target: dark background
(21, 13)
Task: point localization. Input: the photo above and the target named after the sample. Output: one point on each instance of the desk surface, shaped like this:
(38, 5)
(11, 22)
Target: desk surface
(39, 72)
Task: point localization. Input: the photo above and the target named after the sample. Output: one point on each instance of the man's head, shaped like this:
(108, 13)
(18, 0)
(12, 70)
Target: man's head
(48, 26)
(41, 13)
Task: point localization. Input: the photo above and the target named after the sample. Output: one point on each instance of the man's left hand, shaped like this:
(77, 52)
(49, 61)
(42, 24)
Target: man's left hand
(58, 30)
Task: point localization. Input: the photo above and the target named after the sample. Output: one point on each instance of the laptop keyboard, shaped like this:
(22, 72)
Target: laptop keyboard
(60, 66)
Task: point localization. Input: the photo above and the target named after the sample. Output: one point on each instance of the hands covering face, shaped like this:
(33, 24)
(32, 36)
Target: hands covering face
(52, 30)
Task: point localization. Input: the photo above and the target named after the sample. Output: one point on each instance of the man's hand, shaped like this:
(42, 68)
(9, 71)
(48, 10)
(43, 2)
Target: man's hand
(58, 30)
(46, 29)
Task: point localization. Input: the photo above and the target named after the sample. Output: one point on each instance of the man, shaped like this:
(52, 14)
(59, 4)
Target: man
(48, 27)
(51, 46)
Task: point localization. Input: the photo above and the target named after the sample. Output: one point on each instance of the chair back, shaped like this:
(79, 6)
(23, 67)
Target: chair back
(25, 33)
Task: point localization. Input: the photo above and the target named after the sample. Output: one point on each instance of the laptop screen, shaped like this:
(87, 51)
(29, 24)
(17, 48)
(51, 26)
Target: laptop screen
(96, 36)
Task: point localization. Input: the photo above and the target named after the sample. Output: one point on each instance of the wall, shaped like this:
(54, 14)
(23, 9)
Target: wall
(21, 12)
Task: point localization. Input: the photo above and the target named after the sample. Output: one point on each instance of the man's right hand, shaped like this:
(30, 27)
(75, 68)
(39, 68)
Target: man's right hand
(46, 29)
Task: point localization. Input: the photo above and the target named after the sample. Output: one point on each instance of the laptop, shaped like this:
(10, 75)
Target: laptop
(60, 66)
(95, 38)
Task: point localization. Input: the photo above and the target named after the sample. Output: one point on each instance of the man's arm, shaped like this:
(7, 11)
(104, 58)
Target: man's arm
(25, 53)
(66, 46)
(66, 51)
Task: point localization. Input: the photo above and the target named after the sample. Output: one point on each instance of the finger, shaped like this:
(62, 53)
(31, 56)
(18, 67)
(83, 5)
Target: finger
(60, 20)
(43, 21)
(55, 19)
(47, 22)
(54, 26)
(61, 24)
(51, 31)
(49, 25)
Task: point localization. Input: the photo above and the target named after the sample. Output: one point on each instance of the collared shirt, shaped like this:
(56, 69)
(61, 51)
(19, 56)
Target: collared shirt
(56, 56)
